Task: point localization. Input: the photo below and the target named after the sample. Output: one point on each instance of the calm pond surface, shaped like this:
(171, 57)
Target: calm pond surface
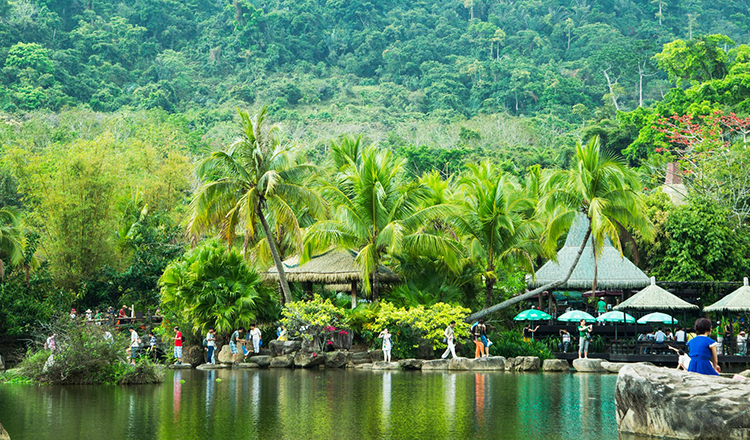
(326, 404)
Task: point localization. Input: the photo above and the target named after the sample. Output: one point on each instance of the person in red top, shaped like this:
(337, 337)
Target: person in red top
(123, 312)
(178, 345)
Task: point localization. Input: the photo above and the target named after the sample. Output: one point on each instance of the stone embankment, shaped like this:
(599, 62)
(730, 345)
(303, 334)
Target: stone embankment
(664, 402)
(3, 433)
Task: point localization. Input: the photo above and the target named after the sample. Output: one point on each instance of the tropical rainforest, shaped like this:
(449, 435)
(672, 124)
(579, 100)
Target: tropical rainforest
(128, 175)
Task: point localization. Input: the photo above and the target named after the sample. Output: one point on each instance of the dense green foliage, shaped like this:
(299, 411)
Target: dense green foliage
(211, 286)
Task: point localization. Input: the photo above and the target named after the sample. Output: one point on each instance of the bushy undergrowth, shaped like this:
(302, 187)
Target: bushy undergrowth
(83, 356)
(511, 344)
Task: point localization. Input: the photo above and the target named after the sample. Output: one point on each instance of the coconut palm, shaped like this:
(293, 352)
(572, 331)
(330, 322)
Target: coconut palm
(258, 178)
(376, 211)
(11, 239)
(602, 188)
(499, 222)
(605, 190)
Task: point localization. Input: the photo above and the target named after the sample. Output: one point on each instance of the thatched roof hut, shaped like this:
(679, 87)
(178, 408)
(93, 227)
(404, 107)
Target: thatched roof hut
(654, 297)
(614, 272)
(332, 267)
(737, 301)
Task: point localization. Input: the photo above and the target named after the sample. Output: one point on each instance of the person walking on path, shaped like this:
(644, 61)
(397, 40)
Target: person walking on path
(256, 335)
(210, 346)
(584, 336)
(450, 336)
(236, 336)
(528, 333)
(178, 345)
(387, 344)
(704, 358)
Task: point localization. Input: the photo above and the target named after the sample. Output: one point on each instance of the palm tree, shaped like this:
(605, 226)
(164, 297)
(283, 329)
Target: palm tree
(257, 178)
(499, 221)
(376, 211)
(11, 239)
(605, 190)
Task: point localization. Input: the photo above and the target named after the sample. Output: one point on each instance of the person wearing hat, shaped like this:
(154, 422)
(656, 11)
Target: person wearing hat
(89, 315)
(73, 313)
(742, 344)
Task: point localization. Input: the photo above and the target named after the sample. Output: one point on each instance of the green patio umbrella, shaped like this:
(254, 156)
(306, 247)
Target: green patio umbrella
(616, 317)
(575, 316)
(532, 315)
(657, 318)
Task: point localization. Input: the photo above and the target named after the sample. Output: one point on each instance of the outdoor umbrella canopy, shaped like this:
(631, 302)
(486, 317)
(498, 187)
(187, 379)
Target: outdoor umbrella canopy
(657, 318)
(532, 315)
(737, 301)
(616, 317)
(575, 316)
(654, 297)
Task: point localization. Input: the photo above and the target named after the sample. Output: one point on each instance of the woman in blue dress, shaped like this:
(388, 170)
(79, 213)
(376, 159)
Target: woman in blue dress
(703, 356)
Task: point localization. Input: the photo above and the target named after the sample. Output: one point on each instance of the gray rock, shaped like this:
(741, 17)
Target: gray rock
(411, 364)
(527, 363)
(336, 359)
(284, 347)
(360, 357)
(556, 365)
(589, 366)
(663, 402)
(180, 367)
(245, 366)
(510, 364)
(212, 367)
(263, 361)
(459, 364)
(615, 367)
(363, 366)
(492, 363)
(376, 355)
(284, 361)
(193, 354)
(2, 367)
(225, 355)
(3, 433)
(385, 366)
(436, 364)
(745, 373)
(308, 360)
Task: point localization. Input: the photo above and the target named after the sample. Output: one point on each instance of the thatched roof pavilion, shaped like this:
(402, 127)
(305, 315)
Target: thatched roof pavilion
(737, 301)
(332, 267)
(654, 297)
(614, 271)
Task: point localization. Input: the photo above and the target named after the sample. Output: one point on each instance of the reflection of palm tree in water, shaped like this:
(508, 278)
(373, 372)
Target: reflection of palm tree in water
(479, 397)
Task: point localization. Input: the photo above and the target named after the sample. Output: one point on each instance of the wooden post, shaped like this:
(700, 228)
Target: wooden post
(309, 289)
(354, 294)
(540, 300)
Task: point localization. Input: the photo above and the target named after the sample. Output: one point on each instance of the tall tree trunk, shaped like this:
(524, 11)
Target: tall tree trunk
(276, 258)
(596, 269)
(489, 287)
(523, 297)
(375, 282)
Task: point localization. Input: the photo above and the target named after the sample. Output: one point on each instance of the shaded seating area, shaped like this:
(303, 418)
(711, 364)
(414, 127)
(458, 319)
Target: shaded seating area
(736, 303)
(335, 267)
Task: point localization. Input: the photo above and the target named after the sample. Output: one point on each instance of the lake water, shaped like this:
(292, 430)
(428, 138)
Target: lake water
(319, 404)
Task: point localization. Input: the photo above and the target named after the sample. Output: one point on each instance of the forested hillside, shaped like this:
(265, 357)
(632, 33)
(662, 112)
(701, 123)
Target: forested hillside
(320, 59)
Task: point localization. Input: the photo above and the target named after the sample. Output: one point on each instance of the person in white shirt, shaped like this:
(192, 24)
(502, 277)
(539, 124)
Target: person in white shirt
(134, 345)
(683, 362)
(679, 336)
(742, 344)
(255, 333)
(449, 339)
(211, 346)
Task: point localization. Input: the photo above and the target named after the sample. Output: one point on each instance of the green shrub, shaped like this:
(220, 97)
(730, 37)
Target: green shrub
(511, 344)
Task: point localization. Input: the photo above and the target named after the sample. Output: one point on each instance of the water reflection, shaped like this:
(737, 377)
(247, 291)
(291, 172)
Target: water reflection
(326, 404)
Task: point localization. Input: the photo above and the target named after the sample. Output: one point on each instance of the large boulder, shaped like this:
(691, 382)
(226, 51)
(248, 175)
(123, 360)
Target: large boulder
(664, 402)
(459, 364)
(262, 360)
(436, 364)
(528, 363)
(589, 365)
(211, 367)
(555, 365)
(359, 357)
(745, 374)
(510, 364)
(2, 367)
(225, 355)
(284, 347)
(363, 366)
(336, 359)
(385, 366)
(308, 360)
(283, 361)
(180, 367)
(615, 367)
(3, 433)
(245, 366)
(193, 354)
(376, 355)
(491, 363)
(411, 364)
